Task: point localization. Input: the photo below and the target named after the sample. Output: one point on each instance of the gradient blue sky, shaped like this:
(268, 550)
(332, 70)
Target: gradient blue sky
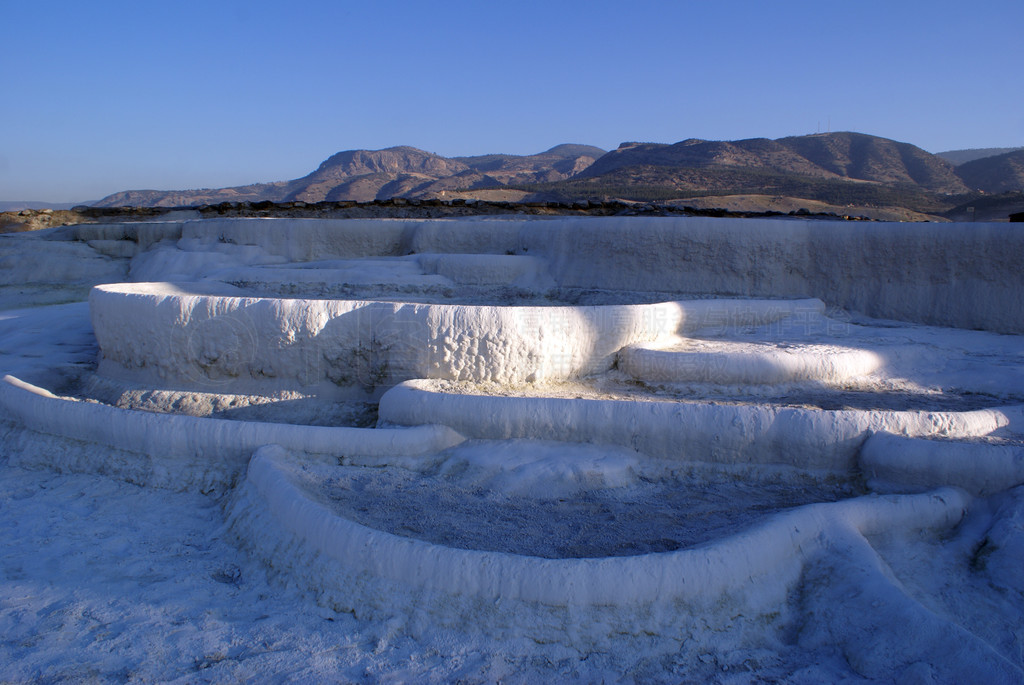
(107, 96)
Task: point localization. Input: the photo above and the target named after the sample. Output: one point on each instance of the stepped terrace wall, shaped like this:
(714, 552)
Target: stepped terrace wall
(958, 274)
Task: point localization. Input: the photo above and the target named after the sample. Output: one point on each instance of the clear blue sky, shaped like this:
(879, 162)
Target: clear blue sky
(106, 96)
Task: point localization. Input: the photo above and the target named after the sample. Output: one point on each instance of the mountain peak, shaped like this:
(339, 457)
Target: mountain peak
(388, 160)
(575, 150)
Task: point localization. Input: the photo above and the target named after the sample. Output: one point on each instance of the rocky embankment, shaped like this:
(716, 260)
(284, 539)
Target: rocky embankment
(397, 208)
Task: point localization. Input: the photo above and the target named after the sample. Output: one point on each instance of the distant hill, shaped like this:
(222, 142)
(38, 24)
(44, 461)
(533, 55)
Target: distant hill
(367, 174)
(958, 157)
(560, 162)
(844, 170)
(999, 174)
(364, 175)
(18, 205)
(714, 165)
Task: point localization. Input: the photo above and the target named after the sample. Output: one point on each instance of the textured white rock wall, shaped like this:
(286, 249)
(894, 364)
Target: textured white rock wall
(484, 269)
(578, 601)
(26, 261)
(162, 333)
(309, 239)
(177, 451)
(467, 236)
(898, 463)
(745, 364)
(144, 233)
(423, 271)
(718, 433)
(300, 240)
(961, 275)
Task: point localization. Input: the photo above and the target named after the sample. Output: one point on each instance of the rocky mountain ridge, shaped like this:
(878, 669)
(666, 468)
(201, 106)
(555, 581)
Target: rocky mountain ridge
(852, 156)
(364, 175)
(998, 174)
(958, 157)
(838, 169)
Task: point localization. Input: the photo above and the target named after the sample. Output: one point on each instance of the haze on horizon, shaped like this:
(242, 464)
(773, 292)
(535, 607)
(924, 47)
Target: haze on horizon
(117, 96)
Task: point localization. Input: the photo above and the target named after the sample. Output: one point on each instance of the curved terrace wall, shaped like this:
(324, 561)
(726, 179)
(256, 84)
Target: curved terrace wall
(690, 431)
(159, 332)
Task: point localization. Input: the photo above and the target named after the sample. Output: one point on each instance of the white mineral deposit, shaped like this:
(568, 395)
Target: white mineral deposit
(513, 449)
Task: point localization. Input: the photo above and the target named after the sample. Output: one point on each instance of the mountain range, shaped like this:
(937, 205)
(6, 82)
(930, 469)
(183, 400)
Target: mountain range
(840, 169)
(961, 156)
(364, 175)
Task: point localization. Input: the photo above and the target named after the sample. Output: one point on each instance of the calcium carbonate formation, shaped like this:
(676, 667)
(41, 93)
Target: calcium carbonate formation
(580, 430)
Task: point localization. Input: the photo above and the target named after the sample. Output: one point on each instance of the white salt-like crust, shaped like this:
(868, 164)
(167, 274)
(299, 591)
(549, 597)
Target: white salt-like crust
(178, 451)
(372, 572)
(724, 363)
(581, 459)
(164, 333)
(685, 431)
(900, 463)
(954, 274)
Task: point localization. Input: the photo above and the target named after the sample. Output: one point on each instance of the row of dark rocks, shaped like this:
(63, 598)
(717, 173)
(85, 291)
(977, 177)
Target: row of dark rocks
(430, 208)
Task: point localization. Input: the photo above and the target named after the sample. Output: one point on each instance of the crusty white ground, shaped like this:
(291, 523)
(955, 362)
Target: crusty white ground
(106, 581)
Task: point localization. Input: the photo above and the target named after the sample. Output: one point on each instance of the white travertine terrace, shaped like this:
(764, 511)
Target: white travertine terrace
(178, 337)
(707, 432)
(962, 275)
(560, 362)
(682, 361)
(182, 452)
(754, 569)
